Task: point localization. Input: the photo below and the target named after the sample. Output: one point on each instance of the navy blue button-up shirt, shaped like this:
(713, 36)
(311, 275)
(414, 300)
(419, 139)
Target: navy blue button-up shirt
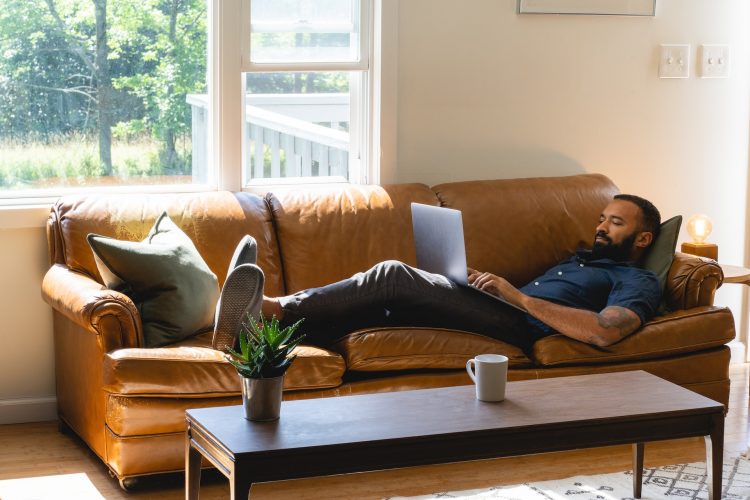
(593, 284)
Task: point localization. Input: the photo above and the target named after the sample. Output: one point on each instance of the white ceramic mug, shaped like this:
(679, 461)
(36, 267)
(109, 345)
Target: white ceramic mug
(489, 373)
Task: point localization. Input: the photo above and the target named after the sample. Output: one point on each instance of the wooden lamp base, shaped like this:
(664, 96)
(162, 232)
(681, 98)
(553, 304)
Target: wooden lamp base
(709, 250)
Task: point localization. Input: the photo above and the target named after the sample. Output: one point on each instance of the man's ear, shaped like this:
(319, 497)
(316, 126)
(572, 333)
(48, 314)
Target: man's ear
(644, 239)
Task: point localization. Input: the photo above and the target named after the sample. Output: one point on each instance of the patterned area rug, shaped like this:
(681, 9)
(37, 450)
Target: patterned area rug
(675, 482)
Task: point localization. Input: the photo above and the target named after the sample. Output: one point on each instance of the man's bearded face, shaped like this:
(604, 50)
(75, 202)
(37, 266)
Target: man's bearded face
(605, 248)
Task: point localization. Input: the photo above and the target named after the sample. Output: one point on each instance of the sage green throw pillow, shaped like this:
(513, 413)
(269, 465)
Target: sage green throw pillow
(660, 255)
(166, 278)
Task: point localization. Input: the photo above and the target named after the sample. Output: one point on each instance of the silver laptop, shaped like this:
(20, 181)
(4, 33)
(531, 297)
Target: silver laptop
(439, 241)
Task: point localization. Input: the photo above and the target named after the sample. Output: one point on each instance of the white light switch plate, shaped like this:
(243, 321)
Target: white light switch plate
(714, 61)
(674, 61)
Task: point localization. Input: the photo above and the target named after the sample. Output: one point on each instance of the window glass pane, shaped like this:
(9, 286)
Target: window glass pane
(304, 31)
(297, 125)
(99, 92)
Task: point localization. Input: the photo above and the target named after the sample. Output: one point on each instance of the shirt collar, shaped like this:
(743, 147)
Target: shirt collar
(586, 256)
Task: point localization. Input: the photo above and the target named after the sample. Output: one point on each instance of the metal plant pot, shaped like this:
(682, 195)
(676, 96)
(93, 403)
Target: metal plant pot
(261, 397)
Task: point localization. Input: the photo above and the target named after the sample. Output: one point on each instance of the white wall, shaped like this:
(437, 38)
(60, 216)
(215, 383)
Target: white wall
(487, 93)
(27, 381)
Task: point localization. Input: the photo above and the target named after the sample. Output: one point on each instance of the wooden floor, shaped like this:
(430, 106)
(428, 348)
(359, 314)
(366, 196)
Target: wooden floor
(38, 450)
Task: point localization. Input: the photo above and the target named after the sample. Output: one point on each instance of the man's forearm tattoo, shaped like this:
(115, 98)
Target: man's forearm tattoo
(620, 318)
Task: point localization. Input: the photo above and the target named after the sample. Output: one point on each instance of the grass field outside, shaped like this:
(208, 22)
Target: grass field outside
(74, 161)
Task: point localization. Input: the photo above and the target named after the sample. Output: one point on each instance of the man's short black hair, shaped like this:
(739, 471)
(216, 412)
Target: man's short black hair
(650, 216)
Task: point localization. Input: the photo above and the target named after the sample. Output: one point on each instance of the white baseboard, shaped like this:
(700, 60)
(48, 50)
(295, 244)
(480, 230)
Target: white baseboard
(17, 411)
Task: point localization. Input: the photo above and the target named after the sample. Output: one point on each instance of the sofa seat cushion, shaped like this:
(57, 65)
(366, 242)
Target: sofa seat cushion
(415, 348)
(192, 369)
(672, 334)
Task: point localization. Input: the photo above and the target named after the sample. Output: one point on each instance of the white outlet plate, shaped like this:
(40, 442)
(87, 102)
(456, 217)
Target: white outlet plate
(714, 61)
(674, 61)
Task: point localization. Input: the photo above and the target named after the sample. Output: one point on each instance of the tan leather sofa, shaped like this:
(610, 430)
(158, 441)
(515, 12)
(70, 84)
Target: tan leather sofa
(127, 402)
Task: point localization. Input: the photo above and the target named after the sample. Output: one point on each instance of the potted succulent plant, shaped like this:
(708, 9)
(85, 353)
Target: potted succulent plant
(265, 355)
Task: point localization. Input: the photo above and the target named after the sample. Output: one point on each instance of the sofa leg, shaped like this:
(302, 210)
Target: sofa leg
(128, 483)
(64, 428)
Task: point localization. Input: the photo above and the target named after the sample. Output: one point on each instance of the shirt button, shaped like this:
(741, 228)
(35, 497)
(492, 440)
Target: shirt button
(559, 273)
(536, 283)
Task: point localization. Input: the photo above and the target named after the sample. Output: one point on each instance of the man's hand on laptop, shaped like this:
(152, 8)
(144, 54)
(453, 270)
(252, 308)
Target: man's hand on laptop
(495, 285)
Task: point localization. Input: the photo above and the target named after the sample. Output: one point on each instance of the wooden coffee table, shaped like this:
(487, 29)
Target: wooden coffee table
(317, 437)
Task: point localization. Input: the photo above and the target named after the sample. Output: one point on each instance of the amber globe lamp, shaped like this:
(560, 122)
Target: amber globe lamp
(699, 227)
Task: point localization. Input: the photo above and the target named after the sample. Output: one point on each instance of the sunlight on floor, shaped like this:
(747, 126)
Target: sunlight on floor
(530, 492)
(579, 489)
(60, 487)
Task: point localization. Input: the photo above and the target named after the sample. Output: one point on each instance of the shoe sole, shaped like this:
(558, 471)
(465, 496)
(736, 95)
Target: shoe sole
(242, 294)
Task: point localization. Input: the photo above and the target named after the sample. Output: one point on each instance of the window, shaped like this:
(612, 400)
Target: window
(93, 93)
(297, 125)
(306, 31)
(182, 95)
(306, 86)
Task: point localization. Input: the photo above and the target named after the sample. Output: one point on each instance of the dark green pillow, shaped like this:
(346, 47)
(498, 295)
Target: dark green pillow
(659, 257)
(166, 278)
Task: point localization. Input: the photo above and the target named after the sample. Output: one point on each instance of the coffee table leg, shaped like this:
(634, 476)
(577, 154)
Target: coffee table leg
(715, 458)
(192, 472)
(239, 488)
(637, 469)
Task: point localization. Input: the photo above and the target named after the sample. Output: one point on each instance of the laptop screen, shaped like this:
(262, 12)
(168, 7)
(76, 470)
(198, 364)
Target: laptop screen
(439, 241)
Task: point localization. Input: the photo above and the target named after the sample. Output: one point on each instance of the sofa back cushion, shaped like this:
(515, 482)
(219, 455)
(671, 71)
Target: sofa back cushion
(327, 233)
(519, 228)
(214, 221)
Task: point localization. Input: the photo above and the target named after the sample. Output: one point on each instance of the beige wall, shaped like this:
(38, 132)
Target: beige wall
(486, 93)
(27, 381)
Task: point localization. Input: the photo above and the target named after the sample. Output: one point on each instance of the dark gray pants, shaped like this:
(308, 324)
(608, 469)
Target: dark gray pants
(395, 294)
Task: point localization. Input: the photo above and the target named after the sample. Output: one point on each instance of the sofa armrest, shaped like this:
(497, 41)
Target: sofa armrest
(692, 281)
(678, 333)
(109, 314)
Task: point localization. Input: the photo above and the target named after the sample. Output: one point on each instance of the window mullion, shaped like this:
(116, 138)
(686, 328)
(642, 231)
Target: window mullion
(227, 93)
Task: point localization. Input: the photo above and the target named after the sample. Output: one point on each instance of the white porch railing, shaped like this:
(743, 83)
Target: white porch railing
(284, 135)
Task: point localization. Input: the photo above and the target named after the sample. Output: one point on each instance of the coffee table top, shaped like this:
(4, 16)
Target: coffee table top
(544, 403)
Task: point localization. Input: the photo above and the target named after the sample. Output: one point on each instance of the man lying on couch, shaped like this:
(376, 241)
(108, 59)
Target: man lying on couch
(598, 296)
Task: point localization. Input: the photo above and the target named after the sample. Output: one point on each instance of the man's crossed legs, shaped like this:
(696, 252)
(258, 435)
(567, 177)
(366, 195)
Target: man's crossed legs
(390, 293)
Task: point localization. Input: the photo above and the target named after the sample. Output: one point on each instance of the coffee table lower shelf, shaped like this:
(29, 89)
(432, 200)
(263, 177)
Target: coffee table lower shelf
(327, 436)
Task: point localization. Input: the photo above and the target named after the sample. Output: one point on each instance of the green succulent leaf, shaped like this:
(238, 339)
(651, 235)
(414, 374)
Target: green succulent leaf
(265, 348)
